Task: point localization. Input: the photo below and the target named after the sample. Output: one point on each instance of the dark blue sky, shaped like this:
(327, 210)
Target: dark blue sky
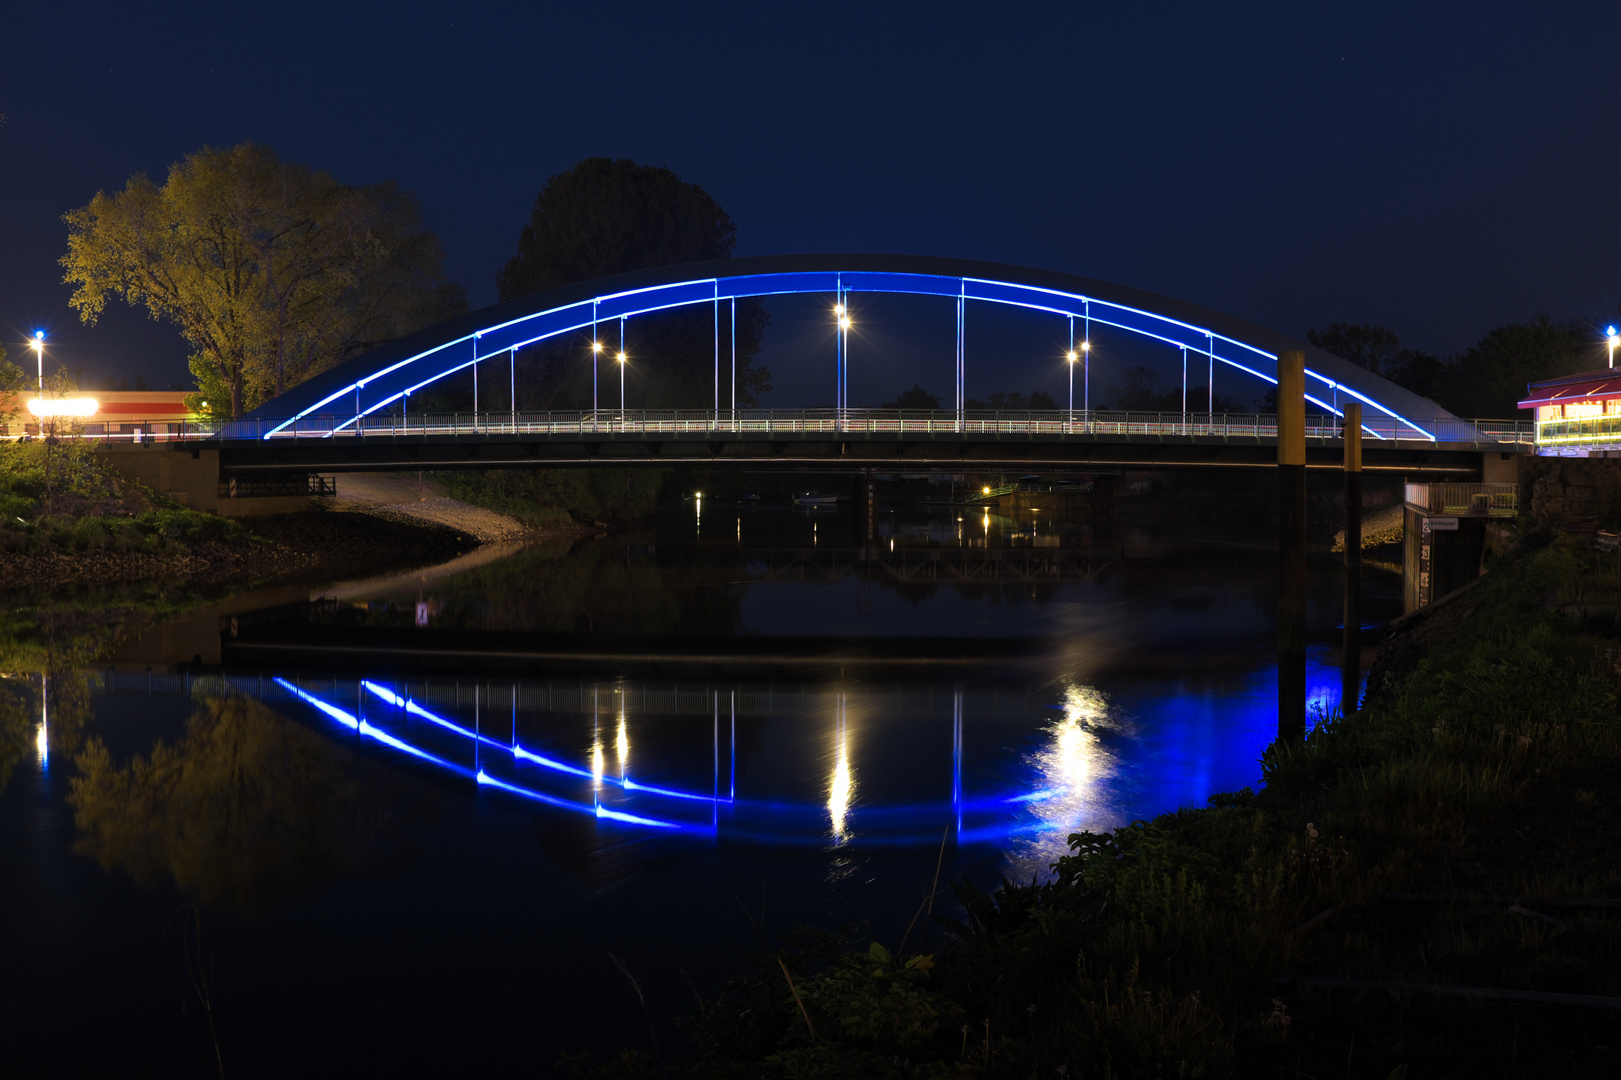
(1440, 168)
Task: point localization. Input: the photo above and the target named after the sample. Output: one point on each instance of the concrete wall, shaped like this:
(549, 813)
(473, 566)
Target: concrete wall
(191, 477)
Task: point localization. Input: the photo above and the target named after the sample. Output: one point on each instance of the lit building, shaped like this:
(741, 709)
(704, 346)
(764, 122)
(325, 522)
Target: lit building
(116, 412)
(1578, 415)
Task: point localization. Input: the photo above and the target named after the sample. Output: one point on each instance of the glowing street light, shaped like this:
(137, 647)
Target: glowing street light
(1614, 340)
(1073, 356)
(842, 382)
(38, 345)
(621, 388)
(1086, 376)
(596, 351)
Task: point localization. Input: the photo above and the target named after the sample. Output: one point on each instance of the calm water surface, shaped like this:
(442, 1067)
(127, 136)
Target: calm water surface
(417, 819)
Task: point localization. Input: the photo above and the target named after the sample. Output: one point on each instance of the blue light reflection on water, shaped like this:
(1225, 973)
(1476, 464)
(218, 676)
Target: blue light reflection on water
(1087, 761)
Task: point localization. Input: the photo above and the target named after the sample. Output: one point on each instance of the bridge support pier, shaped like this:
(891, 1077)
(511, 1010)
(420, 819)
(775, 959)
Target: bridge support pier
(1291, 545)
(1351, 641)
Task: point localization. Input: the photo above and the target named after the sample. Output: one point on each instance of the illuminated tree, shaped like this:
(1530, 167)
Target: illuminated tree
(272, 271)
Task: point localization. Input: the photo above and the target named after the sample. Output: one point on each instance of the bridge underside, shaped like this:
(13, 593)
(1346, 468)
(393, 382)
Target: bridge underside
(947, 452)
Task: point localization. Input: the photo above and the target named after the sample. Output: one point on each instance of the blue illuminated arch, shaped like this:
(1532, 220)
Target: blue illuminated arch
(382, 377)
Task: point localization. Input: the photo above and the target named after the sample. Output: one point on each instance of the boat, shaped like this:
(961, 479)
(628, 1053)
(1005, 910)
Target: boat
(816, 498)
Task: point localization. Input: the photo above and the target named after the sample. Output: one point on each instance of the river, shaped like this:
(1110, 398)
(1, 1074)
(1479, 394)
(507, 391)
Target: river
(459, 818)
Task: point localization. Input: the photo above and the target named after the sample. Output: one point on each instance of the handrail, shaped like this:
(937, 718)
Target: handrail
(899, 423)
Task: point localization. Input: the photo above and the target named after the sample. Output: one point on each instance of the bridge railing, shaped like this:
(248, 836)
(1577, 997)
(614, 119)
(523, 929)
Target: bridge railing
(899, 423)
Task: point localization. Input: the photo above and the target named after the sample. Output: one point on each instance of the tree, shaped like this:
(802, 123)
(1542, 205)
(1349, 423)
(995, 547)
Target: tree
(605, 217)
(1380, 350)
(12, 380)
(1373, 347)
(915, 398)
(1014, 402)
(1490, 379)
(274, 272)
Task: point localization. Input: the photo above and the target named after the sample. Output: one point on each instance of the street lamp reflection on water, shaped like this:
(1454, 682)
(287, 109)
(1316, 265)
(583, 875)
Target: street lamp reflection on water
(1069, 772)
(842, 784)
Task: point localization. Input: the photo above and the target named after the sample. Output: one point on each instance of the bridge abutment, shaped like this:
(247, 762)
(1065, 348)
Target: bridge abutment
(189, 474)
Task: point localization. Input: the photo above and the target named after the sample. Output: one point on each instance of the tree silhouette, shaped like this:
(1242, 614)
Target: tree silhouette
(605, 217)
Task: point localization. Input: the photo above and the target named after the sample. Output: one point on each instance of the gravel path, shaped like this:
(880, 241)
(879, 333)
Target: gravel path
(401, 495)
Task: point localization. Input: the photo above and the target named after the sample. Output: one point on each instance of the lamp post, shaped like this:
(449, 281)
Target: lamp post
(621, 389)
(596, 351)
(1086, 373)
(1073, 356)
(38, 345)
(1614, 340)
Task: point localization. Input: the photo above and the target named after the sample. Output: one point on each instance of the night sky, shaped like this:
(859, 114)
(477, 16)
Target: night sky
(1441, 169)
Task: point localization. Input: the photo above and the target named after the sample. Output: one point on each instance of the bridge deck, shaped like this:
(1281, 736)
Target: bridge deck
(840, 439)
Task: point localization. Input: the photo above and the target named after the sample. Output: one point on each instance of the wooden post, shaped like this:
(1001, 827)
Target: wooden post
(1351, 660)
(1292, 545)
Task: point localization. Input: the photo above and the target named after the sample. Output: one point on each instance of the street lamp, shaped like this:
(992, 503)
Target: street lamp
(1086, 377)
(842, 383)
(621, 389)
(1614, 341)
(1073, 356)
(596, 351)
(38, 345)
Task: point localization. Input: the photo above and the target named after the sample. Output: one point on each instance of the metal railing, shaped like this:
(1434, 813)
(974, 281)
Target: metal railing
(1583, 431)
(899, 423)
(1464, 500)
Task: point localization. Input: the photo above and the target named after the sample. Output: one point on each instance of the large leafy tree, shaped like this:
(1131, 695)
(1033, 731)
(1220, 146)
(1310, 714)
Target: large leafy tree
(1490, 379)
(272, 271)
(1380, 350)
(605, 217)
(1373, 347)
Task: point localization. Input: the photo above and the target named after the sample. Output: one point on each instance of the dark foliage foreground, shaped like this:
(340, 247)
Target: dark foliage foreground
(1421, 843)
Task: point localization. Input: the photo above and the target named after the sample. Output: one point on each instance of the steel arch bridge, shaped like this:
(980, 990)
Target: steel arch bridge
(359, 415)
(389, 375)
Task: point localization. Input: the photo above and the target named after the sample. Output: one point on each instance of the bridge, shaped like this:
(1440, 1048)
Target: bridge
(358, 416)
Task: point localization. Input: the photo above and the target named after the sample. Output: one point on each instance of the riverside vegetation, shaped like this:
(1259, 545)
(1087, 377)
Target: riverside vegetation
(59, 499)
(1456, 832)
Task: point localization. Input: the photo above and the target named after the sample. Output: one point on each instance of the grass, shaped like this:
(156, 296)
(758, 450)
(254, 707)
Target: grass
(90, 507)
(1169, 948)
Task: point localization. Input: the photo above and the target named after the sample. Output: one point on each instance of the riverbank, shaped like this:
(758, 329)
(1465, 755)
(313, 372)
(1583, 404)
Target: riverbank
(98, 530)
(1428, 888)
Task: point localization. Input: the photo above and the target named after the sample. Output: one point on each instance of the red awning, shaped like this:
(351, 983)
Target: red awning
(1576, 390)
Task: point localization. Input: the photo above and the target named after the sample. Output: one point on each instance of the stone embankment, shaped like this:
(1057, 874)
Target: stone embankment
(404, 497)
(1573, 493)
(1378, 529)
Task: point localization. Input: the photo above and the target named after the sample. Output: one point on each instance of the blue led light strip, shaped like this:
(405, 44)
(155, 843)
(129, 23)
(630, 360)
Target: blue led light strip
(521, 753)
(568, 318)
(354, 723)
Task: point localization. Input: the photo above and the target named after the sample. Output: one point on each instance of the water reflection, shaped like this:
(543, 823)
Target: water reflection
(248, 808)
(1007, 765)
(42, 737)
(1069, 773)
(841, 786)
